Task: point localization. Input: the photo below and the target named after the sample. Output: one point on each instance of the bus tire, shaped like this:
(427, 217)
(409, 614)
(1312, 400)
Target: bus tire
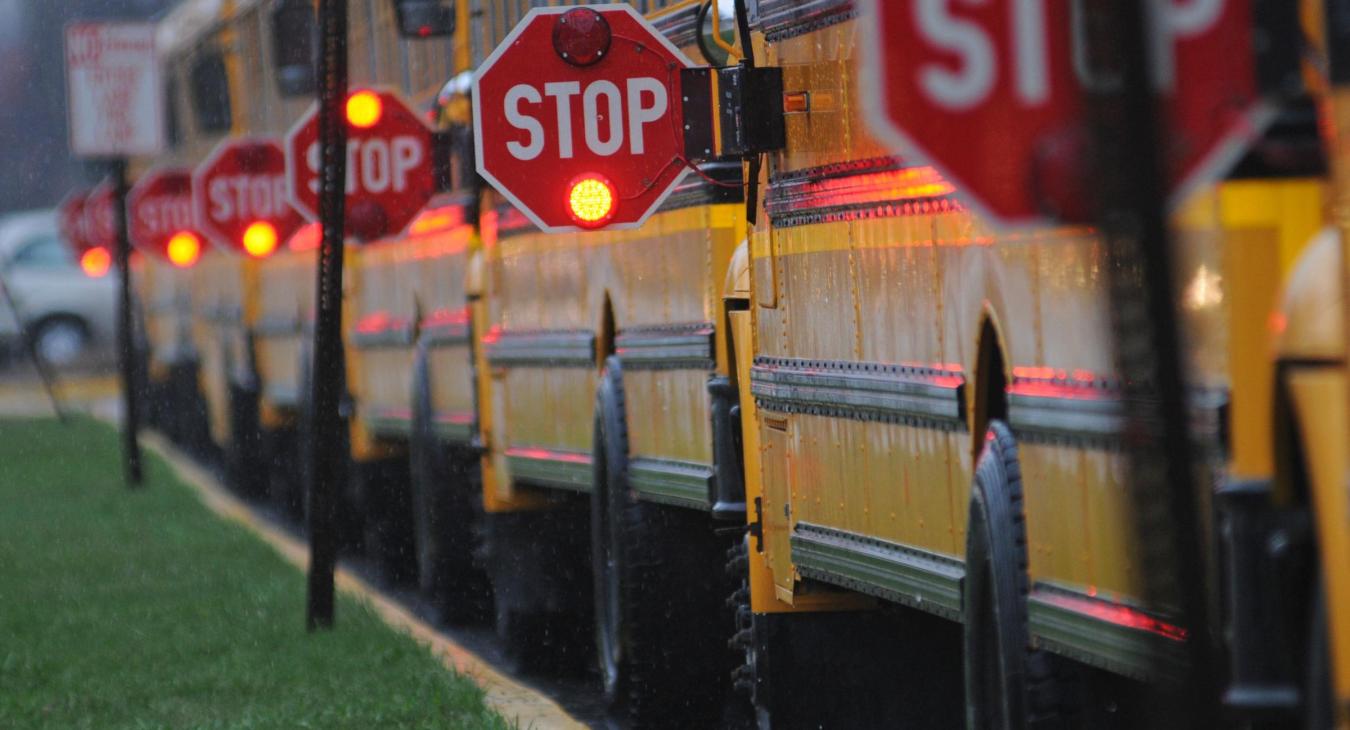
(1317, 691)
(446, 517)
(245, 468)
(532, 559)
(1008, 685)
(658, 591)
(383, 496)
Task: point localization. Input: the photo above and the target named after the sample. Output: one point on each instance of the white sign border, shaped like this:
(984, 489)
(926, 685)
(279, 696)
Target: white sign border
(157, 83)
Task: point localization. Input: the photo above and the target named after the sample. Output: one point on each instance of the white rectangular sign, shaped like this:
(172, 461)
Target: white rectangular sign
(116, 104)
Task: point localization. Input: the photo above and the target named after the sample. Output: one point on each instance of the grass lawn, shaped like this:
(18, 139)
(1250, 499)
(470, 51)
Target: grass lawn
(141, 609)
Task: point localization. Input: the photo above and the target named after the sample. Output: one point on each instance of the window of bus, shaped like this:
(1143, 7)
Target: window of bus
(248, 44)
(210, 92)
(173, 131)
(294, 48)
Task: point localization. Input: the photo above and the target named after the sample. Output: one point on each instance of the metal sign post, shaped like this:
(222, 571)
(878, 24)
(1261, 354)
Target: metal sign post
(328, 370)
(116, 106)
(126, 348)
(1124, 117)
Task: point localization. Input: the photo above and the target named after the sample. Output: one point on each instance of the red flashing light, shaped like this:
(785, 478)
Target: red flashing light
(581, 37)
(183, 249)
(364, 109)
(591, 200)
(96, 262)
(260, 239)
(307, 238)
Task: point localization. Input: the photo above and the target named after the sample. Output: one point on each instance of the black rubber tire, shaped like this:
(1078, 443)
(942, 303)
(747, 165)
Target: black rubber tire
(383, 496)
(285, 488)
(658, 592)
(1008, 684)
(245, 459)
(842, 669)
(536, 560)
(447, 515)
(1318, 703)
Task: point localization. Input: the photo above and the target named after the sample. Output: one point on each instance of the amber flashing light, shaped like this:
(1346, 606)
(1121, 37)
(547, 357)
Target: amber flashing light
(364, 109)
(590, 200)
(183, 249)
(96, 262)
(260, 239)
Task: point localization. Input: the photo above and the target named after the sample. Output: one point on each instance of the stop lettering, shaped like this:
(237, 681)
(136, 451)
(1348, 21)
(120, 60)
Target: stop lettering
(160, 217)
(390, 170)
(240, 199)
(71, 220)
(100, 216)
(577, 119)
(374, 166)
(990, 92)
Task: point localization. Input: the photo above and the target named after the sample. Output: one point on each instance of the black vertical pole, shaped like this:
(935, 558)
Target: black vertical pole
(328, 371)
(1130, 185)
(131, 448)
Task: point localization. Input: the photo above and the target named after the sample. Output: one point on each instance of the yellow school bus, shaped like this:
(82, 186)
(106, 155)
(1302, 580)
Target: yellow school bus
(197, 120)
(933, 423)
(902, 410)
(603, 371)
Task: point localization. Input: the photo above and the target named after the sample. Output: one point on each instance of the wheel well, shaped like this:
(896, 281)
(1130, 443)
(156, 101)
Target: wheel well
(604, 343)
(991, 384)
(49, 318)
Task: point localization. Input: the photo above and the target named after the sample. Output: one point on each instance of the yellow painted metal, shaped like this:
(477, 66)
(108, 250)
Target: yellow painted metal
(285, 304)
(670, 271)
(1330, 478)
(916, 288)
(365, 446)
(1243, 239)
(765, 597)
(499, 493)
(1323, 432)
(733, 53)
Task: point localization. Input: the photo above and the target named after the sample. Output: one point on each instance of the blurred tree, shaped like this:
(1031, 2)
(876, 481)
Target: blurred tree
(36, 169)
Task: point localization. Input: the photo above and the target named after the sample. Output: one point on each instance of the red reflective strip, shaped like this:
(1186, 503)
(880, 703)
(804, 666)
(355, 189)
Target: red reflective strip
(377, 322)
(547, 455)
(446, 318)
(1115, 613)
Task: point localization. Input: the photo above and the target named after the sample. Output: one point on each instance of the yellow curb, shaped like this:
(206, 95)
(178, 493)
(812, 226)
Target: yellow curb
(26, 397)
(512, 700)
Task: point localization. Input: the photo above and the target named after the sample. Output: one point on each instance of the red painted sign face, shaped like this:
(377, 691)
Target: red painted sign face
(70, 218)
(391, 173)
(239, 194)
(577, 117)
(100, 216)
(160, 219)
(989, 91)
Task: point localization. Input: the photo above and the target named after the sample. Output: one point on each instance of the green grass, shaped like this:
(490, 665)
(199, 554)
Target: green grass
(122, 609)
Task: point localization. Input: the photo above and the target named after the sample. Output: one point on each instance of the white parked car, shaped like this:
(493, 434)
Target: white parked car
(67, 312)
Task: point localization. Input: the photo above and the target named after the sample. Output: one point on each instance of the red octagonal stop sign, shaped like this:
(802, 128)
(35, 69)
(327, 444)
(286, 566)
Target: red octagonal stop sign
(391, 173)
(577, 117)
(100, 216)
(989, 92)
(239, 194)
(70, 218)
(159, 209)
